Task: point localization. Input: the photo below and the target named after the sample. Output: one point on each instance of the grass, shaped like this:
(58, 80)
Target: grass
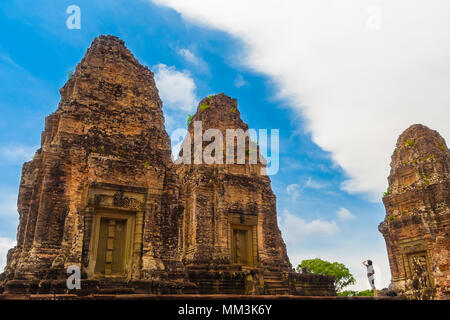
(204, 106)
(189, 119)
(387, 192)
(410, 143)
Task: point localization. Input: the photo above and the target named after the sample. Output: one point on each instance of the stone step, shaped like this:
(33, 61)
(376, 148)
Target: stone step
(116, 290)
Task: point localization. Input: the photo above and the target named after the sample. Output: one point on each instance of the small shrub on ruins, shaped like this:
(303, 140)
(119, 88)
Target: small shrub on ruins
(93, 149)
(233, 109)
(387, 192)
(121, 153)
(102, 150)
(410, 143)
(441, 147)
(146, 164)
(390, 218)
(189, 119)
(204, 106)
(70, 74)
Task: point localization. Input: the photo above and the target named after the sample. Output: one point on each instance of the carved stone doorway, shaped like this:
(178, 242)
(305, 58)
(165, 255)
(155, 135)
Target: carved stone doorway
(111, 247)
(112, 239)
(241, 245)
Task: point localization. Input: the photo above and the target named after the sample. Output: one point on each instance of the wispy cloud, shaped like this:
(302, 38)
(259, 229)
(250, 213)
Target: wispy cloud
(295, 229)
(239, 81)
(313, 184)
(344, 214)
(194, 60)
(17, 153)
(293, 190)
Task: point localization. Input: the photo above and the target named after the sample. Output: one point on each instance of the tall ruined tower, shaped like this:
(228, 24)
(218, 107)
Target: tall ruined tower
(103, 194)
(229, 207)
(104, 161)
(417, 223)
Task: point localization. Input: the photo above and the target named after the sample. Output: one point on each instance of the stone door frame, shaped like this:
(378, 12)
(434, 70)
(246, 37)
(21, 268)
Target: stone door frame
(117, 202)
(130, 219)
(248, 222)
(411, 247)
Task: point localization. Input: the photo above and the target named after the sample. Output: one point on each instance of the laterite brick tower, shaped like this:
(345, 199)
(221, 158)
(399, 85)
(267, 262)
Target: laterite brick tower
(417, 223)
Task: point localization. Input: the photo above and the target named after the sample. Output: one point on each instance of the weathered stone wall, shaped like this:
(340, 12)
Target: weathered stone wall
(416, 227)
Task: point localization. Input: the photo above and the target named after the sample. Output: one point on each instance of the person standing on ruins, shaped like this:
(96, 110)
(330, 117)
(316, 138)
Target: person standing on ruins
(370, 275)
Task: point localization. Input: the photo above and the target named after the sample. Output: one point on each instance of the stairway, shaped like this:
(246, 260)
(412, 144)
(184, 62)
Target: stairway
(274, 284)
(115, 286)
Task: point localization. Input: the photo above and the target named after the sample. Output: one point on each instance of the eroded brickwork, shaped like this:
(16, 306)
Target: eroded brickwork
(416, 227)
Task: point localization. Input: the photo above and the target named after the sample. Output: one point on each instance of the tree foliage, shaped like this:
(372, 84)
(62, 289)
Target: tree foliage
(351, 293)
(343, 276)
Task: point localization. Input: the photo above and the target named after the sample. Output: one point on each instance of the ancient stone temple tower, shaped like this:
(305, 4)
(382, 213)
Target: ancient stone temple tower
(417, 223)
(229, 208)
(103, 194)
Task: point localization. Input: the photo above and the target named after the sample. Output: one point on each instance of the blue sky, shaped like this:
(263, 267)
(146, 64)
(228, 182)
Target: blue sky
(320, 213)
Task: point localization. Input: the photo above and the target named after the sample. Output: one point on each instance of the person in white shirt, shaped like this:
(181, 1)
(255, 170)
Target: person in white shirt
(370, 274)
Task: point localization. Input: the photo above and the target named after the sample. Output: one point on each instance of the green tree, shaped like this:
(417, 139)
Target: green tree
(318, 266)
(351, 293)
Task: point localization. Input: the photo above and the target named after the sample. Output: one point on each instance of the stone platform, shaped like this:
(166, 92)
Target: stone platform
(183, 297)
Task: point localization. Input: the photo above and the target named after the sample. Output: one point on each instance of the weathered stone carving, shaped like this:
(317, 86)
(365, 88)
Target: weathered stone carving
(102, 193)
(416, 227)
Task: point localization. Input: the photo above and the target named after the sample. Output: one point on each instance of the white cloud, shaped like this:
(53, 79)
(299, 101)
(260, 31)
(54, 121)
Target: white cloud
(295, 229)
(191, 58)
(239, 81)
(293, 190)
(344, 214)
(176, 88)
(358, 76)
(5, 245)
(17, 153)
(313, 184)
